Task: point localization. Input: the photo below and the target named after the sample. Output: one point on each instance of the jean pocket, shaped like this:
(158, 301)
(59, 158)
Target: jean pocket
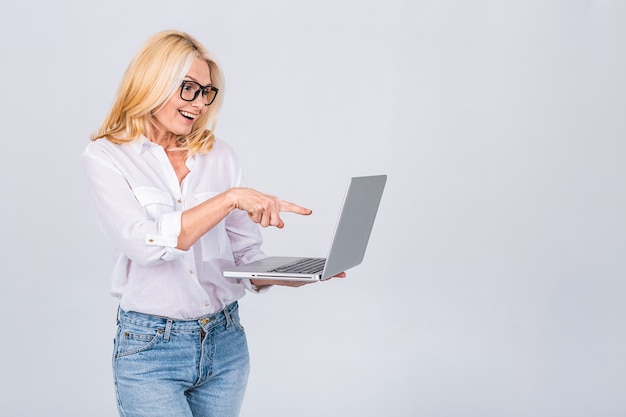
(131, 341)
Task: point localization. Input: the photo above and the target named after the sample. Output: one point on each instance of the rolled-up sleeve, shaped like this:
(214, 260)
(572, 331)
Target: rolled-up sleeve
(168, 230)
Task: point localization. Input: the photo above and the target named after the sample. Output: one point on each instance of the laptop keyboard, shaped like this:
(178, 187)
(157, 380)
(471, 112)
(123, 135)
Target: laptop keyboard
(303, 266)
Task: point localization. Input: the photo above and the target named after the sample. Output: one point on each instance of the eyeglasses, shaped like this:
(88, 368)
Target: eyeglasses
(189, 91)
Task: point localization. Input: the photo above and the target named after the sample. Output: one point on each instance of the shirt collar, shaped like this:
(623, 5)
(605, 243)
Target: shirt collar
(139, 144)
(143, 143)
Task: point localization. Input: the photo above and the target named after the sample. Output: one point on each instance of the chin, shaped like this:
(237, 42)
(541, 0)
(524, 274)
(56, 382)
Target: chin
(184, 131)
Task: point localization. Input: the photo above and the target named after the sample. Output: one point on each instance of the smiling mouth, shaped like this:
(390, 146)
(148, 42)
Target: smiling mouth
(187, 115)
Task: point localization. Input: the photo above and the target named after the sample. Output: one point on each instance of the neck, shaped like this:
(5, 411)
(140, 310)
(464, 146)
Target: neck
(166, 139)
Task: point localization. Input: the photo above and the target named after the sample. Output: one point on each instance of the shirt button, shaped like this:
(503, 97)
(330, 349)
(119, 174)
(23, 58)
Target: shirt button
(180, 201)
(191, 272)
(206, 303)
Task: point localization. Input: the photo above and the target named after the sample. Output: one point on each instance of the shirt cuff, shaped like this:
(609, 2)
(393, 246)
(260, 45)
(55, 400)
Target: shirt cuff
(168, 230)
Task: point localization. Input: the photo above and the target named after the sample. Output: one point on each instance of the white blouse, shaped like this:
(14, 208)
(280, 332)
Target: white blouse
(139, 203)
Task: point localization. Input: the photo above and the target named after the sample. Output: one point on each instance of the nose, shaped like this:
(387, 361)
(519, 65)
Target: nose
(198, 101)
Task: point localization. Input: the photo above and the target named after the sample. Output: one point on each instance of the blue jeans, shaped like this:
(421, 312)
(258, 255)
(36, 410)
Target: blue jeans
(186, 368)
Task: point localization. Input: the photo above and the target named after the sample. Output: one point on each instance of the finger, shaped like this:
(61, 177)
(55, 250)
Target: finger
(293, 208)
(254, 216)
(275, 220)
(265, 219)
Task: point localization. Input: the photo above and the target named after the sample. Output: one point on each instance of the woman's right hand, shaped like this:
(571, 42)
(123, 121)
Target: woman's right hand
(263, 209)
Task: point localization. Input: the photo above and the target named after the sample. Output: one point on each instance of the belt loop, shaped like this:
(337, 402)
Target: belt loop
(168, 329)
(227, 316)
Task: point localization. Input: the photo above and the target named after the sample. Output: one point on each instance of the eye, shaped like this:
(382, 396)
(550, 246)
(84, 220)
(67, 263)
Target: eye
(188, 86)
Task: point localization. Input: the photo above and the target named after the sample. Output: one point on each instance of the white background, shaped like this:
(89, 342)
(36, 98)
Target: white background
(494, 280)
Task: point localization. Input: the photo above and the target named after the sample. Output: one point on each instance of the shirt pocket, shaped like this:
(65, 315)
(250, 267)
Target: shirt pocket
(154, 201)
(215, 243)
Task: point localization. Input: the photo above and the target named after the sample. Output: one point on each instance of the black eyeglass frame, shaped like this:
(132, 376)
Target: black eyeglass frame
(202, 88)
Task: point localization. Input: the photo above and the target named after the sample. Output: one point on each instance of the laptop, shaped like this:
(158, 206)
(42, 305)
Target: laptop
(347, 248)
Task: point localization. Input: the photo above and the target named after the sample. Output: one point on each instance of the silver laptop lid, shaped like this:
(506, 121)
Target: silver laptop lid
(355, 223)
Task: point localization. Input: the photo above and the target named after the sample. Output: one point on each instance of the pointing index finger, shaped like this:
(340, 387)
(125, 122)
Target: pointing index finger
(294, 208)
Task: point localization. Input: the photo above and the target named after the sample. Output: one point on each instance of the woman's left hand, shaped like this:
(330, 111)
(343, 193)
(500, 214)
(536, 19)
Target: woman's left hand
(266, 282)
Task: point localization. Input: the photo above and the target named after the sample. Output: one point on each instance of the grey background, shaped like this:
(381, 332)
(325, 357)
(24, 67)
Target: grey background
(500, 124)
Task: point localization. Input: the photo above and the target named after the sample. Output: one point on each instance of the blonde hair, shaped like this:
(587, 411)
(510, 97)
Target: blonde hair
(152, 77)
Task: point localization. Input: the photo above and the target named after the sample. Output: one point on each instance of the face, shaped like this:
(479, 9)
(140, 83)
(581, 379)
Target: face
(176, 118)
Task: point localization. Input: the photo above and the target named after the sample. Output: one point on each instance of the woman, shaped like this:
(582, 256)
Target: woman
(171, 201)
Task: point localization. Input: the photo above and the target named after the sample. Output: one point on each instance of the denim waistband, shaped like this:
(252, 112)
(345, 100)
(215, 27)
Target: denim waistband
(148, 320)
